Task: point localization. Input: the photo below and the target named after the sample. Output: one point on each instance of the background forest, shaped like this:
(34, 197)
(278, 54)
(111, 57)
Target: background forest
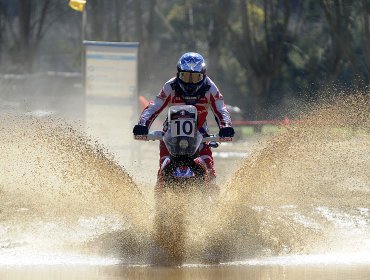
(263, 54)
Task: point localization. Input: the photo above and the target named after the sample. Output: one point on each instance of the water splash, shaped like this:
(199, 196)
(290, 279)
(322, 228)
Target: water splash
(273, 205)
(300, 191)
(54, 179)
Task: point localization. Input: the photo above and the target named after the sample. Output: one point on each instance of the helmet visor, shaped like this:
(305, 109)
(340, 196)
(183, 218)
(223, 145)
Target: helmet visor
(191, 77)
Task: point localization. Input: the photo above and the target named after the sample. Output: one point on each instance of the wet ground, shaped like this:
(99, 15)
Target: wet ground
(317, 272)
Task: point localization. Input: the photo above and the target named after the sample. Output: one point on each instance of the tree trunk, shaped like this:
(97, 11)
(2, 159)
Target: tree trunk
(191, 43)
(149, 40)
(150, 25)
(116, 22)
(338, 19)
(260, 86)
(97, 20)
(215, 41)
(24, 8)
(40, 29)
(365, 9)
(140, 38)
(262, 58)
(1, 31)
(30, 35)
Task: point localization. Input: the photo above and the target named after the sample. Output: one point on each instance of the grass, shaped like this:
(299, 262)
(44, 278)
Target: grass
(248, 131)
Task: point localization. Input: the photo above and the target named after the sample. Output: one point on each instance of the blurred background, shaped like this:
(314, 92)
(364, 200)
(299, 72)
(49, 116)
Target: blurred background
(264, 55)
(302, 191)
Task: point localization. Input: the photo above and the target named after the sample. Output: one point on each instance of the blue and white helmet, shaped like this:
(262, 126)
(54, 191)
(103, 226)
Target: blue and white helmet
(191, 73)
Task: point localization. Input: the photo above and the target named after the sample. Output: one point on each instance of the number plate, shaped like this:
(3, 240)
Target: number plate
(183, 127)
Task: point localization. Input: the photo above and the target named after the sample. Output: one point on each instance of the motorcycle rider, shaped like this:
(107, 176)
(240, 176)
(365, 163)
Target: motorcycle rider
(191, 86)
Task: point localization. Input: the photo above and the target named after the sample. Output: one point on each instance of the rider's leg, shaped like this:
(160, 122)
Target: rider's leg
(163, 152)
(205, 153)
(163, 155)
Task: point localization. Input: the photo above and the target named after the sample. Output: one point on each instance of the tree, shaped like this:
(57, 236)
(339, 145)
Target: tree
(25, 25)
(365, 9)
(30, 32)
(2, 27)
(259, 45)
(144, 38)
(216, 35)
(338, 16)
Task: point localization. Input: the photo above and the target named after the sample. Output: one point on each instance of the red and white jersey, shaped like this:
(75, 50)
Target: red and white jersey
(168, 97)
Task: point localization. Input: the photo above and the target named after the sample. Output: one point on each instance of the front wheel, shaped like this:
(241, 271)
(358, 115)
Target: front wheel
(184, 175)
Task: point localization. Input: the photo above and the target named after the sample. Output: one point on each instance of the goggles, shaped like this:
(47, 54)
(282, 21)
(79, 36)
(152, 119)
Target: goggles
(191, 77)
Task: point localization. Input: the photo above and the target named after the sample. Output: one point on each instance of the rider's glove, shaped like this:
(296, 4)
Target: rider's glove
(226, 132)
(140, 130)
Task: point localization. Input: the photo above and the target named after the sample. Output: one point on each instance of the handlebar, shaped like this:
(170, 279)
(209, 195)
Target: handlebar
(216, 138)
(151, 136)
(158, 135)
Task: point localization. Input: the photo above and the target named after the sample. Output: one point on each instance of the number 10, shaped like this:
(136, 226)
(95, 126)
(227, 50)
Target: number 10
(186, 127)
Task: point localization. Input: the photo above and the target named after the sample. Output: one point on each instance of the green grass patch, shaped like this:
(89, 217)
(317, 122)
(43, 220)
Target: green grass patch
(248, 131)
(245, 131)
(270, 129)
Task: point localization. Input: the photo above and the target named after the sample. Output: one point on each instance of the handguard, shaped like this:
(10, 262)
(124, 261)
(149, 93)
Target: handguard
(151, 136)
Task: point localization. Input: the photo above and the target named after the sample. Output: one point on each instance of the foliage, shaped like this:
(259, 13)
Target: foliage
(261, 53)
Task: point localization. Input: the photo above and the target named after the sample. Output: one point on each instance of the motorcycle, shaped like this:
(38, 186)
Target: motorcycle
(184, 168)
(183, 171)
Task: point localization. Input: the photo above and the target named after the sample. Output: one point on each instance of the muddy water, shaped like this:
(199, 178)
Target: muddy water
(211, 273)
(296, 206)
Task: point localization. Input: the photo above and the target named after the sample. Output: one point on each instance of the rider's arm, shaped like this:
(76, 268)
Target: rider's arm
(155, 107)
(218, 107)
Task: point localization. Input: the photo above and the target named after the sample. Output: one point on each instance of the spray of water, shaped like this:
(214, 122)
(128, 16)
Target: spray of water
(304, 190)
(300, 191)
(60, 189)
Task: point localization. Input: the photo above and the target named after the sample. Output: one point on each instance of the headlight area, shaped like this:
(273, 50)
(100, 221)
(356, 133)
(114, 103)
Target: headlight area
(183, 144)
